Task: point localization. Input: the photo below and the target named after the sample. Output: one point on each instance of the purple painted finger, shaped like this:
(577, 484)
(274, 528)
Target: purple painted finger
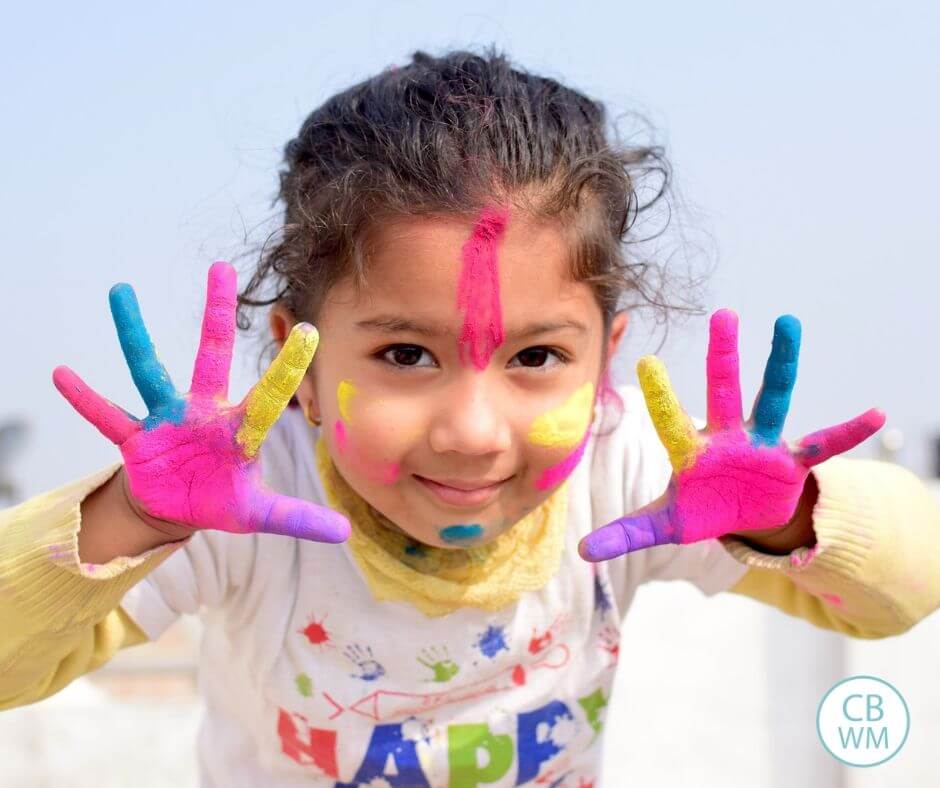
(116, 424)
(723, 372)
(214, 357)
(635, 532)
(274, 513)
(819, 446)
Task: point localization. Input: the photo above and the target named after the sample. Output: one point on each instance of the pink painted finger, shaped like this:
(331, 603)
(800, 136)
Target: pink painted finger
(115, 423)
(819, 446)
(273, 513)
(214, 357)
(723, 372)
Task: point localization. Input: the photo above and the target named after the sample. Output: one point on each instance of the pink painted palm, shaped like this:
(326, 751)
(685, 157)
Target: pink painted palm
(194, 460)
(733, 475)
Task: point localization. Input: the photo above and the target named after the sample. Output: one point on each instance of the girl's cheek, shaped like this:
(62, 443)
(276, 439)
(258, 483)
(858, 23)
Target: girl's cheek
(566, 424)
(556, 473)
(357, 431)
(564, 429)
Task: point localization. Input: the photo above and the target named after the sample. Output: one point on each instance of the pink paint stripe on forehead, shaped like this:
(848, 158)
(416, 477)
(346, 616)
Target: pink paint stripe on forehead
(478, 290)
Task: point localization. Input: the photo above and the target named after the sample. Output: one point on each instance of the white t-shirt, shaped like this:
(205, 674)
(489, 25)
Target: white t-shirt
(308, 680)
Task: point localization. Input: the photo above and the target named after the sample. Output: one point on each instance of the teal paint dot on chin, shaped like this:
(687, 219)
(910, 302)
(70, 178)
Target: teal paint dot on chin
(460, 533)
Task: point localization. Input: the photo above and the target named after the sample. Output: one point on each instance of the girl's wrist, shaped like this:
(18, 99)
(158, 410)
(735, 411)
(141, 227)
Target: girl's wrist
(174, 531)
(798, 532)
(111, 525)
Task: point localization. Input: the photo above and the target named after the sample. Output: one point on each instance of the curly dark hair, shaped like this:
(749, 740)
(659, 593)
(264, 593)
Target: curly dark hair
(451, 135)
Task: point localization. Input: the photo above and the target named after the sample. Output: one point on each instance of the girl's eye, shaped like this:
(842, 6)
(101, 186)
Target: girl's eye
(403, 355)
(534, 354)
(408, 355)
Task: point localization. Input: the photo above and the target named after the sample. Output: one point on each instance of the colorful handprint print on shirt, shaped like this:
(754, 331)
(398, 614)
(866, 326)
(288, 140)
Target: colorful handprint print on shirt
(193, 460)
(733, 475)
(368, 667)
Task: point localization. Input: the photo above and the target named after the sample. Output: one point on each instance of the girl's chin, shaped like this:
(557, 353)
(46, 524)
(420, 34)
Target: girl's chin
(449, 539)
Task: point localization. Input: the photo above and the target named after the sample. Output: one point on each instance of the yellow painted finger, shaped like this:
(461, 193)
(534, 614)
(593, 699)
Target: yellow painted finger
(673, 425)
(267, 400)
(565, 425)
(345, 390)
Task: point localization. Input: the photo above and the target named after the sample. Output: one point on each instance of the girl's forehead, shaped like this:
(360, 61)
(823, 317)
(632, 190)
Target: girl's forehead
(412, 260)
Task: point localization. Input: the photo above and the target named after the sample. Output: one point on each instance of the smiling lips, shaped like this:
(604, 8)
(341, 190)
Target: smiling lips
(467, 494)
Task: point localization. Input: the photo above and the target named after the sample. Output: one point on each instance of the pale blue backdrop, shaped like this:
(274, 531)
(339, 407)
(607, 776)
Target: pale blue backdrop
(140, 144)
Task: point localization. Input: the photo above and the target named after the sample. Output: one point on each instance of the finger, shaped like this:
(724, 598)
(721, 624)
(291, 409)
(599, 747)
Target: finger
(723, 372)
(149, 375)
(267, 400)
(273, 513)
(773, 402)
(628, 534)
(214, 357)
(673, 425)
(112, 421)
(819, 446)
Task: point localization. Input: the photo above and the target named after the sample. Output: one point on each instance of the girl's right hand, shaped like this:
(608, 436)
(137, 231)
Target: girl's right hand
(194, 461)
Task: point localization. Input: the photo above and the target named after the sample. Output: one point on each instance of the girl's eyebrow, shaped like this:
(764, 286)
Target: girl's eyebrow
(390, 324)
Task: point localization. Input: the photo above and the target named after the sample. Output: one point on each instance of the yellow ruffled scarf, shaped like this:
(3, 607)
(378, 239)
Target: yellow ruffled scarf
(438, 581)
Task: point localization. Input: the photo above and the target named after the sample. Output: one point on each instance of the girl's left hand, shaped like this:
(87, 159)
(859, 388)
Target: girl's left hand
(732, 476)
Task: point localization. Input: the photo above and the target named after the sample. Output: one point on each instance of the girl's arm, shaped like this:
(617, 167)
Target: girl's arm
(863, 536)
(60, 616)
(191, 464)
(874, 570)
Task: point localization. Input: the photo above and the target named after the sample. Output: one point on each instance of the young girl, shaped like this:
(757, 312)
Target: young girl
(416, 576)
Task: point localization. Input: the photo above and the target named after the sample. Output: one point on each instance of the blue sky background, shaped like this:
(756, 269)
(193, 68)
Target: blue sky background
(139, 144)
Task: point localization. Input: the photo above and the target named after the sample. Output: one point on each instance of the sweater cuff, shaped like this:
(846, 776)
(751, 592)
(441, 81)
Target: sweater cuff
(843, 522)
(40, 571)
(877, 542)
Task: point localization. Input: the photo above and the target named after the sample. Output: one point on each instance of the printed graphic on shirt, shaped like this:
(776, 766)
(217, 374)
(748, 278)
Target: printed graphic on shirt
(398, 753)
(316, 633)
(592, 705)
(366, 665)
(541, 640)
(492, 640)
(439, 661)
(454, 711)
(609, 641)
(602, 603)
(385, 704)
(304, 684)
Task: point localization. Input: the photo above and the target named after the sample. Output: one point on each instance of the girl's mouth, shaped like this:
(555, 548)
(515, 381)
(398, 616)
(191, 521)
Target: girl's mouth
(459, 497)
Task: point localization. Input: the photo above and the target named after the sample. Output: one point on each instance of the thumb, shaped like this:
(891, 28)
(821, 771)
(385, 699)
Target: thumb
(273, 513)
(647, 527)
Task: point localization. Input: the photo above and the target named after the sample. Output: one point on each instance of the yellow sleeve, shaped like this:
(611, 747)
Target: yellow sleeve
(875, 568)
(60, 618)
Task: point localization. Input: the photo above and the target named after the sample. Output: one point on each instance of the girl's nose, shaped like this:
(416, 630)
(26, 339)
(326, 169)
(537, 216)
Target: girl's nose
(470, 421)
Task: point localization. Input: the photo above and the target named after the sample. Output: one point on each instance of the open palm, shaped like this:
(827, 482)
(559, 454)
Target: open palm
(733, 475)
(194, 460)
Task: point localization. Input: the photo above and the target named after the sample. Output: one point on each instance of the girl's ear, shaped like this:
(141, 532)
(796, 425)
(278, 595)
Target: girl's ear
(617, 326)
(281, 321)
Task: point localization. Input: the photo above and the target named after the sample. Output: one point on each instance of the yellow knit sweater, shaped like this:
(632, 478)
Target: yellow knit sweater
(878, 552)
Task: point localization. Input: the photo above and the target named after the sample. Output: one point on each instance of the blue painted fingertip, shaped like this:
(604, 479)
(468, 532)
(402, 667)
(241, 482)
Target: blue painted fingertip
(770, 411)
(149, 375)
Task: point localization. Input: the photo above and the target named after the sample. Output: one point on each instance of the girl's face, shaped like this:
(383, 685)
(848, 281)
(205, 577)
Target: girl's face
(469, 359)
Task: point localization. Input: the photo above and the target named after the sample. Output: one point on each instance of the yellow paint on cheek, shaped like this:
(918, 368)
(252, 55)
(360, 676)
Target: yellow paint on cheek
(344, 393)
(565, 425)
